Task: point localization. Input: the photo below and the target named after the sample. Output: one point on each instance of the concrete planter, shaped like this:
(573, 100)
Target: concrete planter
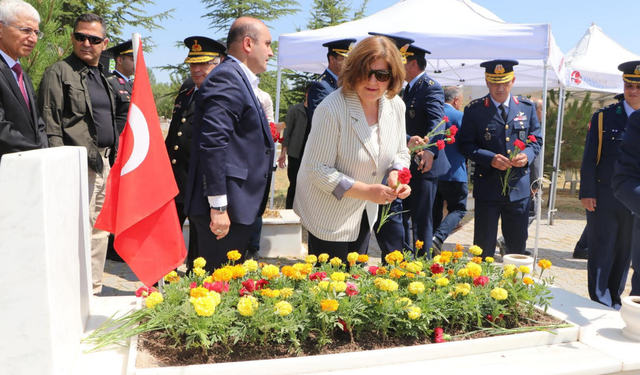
(282, 236)
(630, 313)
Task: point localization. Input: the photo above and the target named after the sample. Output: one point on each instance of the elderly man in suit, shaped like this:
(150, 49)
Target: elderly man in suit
(21, 128)
(229, 174)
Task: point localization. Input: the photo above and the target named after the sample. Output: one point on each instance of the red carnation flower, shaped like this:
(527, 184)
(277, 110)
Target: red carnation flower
(274, 132)
(343, 324)
(317, 276)
(480, 281)
(490, 318)
(519, 144)
(532, 138)
(440, 144)
(445, 118)
(249, 285)
(404, 176)
(437, 268)
(244, 292)
(451, 140)
(218, 286)
(452, 131)
(355, 276)
(438, 334)
(193, 285)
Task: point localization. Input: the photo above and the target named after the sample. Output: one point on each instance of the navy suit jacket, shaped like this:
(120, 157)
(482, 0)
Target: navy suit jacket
(458, 170)
(425, 110)
(626, 179)
(595, 179)
(484, 134)
(21, 129)
(232, 147)
(319, 90)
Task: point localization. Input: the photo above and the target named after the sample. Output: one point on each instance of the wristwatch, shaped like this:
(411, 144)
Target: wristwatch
(221, 208)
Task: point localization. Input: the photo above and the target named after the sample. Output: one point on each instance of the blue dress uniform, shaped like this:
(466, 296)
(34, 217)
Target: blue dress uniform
(610, 225)
(484, 133)
(122, 86)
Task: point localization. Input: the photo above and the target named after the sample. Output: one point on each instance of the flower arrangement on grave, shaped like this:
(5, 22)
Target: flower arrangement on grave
(257, 303)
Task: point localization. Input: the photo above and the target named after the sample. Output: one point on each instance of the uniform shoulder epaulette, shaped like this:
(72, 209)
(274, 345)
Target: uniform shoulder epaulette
(473, 103)
(523, 99)
(321, 77)
(112, 77)
(609, 107)
(186, 90)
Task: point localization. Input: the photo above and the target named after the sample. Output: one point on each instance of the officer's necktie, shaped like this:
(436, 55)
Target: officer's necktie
(503, 112)
(18, 69)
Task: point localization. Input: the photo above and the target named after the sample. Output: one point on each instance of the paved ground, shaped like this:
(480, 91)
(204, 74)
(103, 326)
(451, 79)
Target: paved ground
(556, 244)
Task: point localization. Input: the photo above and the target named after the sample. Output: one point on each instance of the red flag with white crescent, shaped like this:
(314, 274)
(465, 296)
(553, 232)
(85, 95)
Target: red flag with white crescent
(139, 205)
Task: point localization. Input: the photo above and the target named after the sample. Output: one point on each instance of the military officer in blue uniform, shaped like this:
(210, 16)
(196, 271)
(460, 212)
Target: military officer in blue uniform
(120, 80)
(490, 126)
(609, 221)
(204, 55)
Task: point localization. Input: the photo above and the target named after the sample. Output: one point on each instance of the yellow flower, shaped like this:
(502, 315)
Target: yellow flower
(473, 270)
(303, 268)
(338, 276)
(403, 302)
(215, 297)
(403, 265)
(458, 255)
(199, 262)
(489, 260)
(394, 257)
(544, 264)
(475, 250)
(445, 257)
(476, 260)
(311, 259)
(155, 298)
(283, 308)
(251, 265)
(329, 305)
(414, 312)
(323, 258)
(419, 244)
(199, 271)
(499, 294)
(352, 258)
(198, 292)
(386, 284)
(338, 286)
(335, 261)
(237, 271)
(527, 280)
(268, 292)
(247, 305)
(270, 271)
(443, 281)
(463, 272)
(363, 258)
(524, 269)
(509, 270)
(324, 285)
(459, 247)
(436, 259)
(290, 272)
(172, 277)
(204, 306)
(414, 267)
(396, 273)
(234, 255)
(286, 292)
(463, 289)
(416, 287)
(208, 279)
(222, 274)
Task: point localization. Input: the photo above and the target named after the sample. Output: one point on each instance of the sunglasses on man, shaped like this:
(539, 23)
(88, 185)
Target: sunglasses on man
(382, 75)
(81, 37)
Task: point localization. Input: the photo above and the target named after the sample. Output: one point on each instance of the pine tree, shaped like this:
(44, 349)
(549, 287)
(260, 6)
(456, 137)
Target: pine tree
(333, 12)
(222, 13)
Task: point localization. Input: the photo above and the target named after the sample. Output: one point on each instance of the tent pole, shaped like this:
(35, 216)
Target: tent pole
(538, 196)
(276, 117)
(556, 156)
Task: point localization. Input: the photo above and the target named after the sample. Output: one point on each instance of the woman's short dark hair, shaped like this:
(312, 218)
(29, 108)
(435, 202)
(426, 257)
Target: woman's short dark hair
(356, 66)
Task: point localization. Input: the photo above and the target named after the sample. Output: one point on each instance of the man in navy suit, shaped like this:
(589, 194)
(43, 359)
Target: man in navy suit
(452, 186)
(626, 187)
(490, 126)
(21, 128)
(424, 98)
(609, 221)
(230, 168)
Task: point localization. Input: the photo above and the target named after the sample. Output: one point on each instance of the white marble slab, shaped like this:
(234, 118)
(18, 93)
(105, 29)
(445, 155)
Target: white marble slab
(44, 245)
(282, 236)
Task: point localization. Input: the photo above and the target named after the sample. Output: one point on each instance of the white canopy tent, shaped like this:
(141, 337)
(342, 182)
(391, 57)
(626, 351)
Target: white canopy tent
(592, 65)
(460, 35)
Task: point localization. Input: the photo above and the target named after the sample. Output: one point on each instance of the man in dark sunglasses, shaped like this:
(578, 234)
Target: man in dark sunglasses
(78, 108)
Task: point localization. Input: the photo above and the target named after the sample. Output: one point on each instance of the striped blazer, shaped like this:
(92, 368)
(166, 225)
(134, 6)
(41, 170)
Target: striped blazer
(340, 147)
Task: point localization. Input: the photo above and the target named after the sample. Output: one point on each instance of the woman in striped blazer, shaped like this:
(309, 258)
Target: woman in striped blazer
(357, 138)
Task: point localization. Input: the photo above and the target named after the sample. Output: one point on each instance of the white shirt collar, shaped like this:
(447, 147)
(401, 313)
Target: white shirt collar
(253, 79)
(628, 108)
(11, 62)
(415, 79)
(122, 75)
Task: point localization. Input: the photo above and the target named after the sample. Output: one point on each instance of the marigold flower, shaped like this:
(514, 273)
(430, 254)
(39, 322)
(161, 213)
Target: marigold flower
(499, 294)
(352, 258)
(323, 258)
(329, 305)
(338, 276)
(247, 305)
(458, 255)
(419, 244)
(286, 292)
(414, 267)
(480, 280)
(509, 270)
(524, 270)
(443, 281)
(154, 299)
(208, 279)
(324, 285)
(352, 289)
(463, 272)
(474, 270)
(204, 306)
(410, 275)
(544, 264)
(381, 271)
(463, 289)
(222, 274)
(249, 285)
(288, 271)
(270, 271)
(303, 268)
(437, 268)
(394, 257)
(489, 260)
(475, 250)
(311, 259)
(363, 258)
(403, 302)
(335, 261)
(459, 247)
(387, 285)
(172, 277)
(251, 265)
(416, 287)
(234, 255)
(436, 259)
(199, 262)
(338, 286)
(198, 292)
(476, 260)
(199, 271)
(396, 273)
(282, 308)
(414, 312)
(527, 280)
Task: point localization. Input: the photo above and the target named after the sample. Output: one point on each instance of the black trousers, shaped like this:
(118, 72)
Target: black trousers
(215, 251)
(292, 174)
(515, 224)
(342, 249)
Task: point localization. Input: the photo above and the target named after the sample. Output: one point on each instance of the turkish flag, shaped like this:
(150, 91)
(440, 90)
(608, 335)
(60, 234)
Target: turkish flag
(139, 207)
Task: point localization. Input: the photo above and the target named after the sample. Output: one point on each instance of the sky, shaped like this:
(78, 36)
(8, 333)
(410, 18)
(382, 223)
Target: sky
(569, 20)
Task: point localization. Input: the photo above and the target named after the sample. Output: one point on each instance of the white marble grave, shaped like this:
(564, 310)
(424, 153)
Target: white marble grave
(282, 236)
(45, 252)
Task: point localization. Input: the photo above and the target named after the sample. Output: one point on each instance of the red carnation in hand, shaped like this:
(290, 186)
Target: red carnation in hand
(438, 334)
(274, 132)
(440, 144)
(445, 118)
(404, 176)
(452, 131)
(480, 281)
(451, 140)
(532, 138)
(519, 144)
(437, 268)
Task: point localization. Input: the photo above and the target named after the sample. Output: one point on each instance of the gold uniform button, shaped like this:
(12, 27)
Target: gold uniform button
(173, 161)
(506, 126)
(508, 151)
(184, 120)
(507, 139)
(175, 147)
(179, 134)
(480, 175)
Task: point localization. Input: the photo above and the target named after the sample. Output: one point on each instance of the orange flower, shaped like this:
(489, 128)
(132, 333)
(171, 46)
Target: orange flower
(222, 274)
(459, 247)
(527, 280)
(363, 258)
(458, 255)
(419, 244)
(450, 272)
(476, 260)
(396, 273)
(381, 271)
(329, 305)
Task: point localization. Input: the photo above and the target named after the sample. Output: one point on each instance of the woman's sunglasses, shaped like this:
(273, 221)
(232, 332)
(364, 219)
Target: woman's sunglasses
(382, 75)
(81, 37)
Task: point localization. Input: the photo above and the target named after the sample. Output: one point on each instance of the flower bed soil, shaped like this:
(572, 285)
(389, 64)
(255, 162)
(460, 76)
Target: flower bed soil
(154, 350)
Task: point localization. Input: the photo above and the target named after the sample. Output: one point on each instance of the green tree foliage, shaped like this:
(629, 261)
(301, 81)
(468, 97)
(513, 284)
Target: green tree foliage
(222, 13)
(333, 12)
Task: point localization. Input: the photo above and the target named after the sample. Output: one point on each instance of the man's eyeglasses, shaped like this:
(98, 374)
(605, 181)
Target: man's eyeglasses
(382, 75)
(81, 37)
(25, 30)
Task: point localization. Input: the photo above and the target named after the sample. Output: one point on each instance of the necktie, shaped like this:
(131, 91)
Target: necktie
(503, 112)
(18, 69)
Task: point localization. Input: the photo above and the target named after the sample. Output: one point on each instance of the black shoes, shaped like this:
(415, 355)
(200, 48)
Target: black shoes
(436, 244)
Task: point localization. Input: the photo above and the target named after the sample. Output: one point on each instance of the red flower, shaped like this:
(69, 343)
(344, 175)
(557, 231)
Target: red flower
(274, 132)
(373, 270)
(218, 286)
(452, 131)
(261, 284)
(404, 176)
(249, 285)
(143, 291)
(532, 138)
(437, 268)
(450, 140)
(343, 324)
(317, 276)
(490, 318)
(193, 285)
(244, 292)
(438, 334)
(355, 276)
(480, 281)
(519, 144)
(440, 144)
(445, 119)
(352, 289)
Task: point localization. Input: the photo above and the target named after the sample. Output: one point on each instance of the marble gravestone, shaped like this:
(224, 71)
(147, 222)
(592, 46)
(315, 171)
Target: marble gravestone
(45, 253)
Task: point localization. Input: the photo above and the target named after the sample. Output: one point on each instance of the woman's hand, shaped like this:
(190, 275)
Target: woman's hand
(381, 194)
(403, 191)
(392, 179)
